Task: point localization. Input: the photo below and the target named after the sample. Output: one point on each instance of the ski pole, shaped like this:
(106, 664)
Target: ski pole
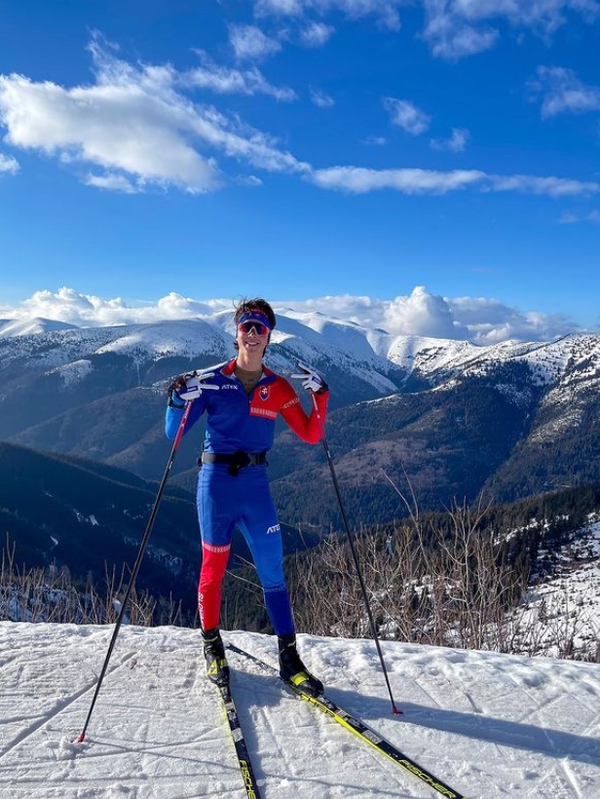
(136, 566)
(354, 554)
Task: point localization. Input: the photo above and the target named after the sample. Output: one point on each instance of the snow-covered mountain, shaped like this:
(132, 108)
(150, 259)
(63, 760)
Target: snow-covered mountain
(517, 416)
(372, 355)
(32, 326)
(489, 725)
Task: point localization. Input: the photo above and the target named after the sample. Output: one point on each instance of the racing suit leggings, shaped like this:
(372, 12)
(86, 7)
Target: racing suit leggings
(224, 502)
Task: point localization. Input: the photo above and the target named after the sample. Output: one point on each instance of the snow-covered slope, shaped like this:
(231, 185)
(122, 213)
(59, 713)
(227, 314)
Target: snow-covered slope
(560, 614)
(377, 357)
(490, 725)
(32, 326)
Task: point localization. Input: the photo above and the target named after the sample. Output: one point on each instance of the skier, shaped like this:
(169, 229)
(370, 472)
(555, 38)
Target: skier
(242, 399)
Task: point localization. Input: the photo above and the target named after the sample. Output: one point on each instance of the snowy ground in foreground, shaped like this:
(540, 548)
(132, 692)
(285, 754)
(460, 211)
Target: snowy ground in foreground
(489, 725)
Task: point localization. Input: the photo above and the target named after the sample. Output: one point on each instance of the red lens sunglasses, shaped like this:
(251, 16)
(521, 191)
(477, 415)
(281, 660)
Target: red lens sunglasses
(259, 328)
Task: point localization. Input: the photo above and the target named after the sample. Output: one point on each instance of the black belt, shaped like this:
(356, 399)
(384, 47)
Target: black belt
(236, 460)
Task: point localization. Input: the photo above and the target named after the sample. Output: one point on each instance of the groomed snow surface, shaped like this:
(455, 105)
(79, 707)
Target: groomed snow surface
(489, 725)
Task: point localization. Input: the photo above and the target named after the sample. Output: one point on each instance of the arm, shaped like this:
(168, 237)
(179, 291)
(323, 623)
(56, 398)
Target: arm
(186, 388)
(173, 418)
(308, 428)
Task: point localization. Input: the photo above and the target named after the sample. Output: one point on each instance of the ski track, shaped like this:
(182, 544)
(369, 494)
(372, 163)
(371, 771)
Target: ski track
(333, 744)
(59, 707)
(572, 779)
(133, 755)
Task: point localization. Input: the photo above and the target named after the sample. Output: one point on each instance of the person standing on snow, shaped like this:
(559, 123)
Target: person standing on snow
(242, 399)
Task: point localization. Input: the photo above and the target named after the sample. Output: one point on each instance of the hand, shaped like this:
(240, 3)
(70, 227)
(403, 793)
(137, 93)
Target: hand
(189, 386)
(312, 380)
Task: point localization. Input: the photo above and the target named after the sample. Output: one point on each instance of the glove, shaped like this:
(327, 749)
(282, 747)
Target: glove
(177, 385)
(312, 380)
(189, 386)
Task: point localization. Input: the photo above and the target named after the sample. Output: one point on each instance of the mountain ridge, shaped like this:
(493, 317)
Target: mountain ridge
(413, 406)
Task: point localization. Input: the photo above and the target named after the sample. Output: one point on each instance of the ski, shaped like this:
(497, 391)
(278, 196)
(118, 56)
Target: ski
(358, 728)
(239, 742)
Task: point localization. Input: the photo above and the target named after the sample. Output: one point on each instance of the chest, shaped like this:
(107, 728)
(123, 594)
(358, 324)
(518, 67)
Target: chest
(264, 401)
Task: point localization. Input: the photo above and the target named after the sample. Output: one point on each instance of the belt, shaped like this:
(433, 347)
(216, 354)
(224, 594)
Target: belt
(236, 460)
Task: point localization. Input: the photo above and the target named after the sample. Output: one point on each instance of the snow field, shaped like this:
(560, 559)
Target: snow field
(489, 725)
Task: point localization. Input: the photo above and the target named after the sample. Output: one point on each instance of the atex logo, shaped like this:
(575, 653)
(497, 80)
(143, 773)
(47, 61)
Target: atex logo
(229, 385)
(274, 528)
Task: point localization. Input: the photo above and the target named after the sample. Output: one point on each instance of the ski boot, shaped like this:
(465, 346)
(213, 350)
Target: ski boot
(293, 670)
(217, 669)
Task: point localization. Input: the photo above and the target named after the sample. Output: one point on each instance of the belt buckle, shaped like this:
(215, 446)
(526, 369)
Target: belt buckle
(239, 460)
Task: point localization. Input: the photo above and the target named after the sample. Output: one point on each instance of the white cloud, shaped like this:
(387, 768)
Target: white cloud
(561, 91)
(67, 305)
(550, 186)
(490, 321)
(572, 218)
(407, 116)
(422, 314)
(292, 8)
(377, 141)
(133, 122)
(385, 11)
(133, 125)
(111, 183)
(480, 320)
(359, 180)
(316, 34)
(449, 36)
(475, 319)
(249, 42)
(8, 164)
(458, 28)
(224, 80)
(454, 29)
(321, 99)
(134, 129)
(455, 144)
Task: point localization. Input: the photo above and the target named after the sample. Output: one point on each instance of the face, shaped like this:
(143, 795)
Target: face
(253, 333)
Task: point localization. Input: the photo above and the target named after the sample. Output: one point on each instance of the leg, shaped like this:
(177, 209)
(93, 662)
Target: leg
(217, 518)
(262, 531)
(214, 563)
(216, 529)
(263, 535)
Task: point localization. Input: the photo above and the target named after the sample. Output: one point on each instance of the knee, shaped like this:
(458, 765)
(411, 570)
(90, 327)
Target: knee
(271, 576)
(214, 563)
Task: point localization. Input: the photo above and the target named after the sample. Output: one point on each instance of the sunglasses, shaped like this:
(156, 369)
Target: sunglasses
(259, 328)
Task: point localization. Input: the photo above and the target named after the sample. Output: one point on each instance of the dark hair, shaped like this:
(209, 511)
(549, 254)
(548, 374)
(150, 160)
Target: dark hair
(256, 304)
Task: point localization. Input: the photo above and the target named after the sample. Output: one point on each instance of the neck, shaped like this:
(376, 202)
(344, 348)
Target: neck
(251, 362)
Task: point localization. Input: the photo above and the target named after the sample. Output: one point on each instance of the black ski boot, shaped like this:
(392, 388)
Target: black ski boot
(293, 670)
(217, 669)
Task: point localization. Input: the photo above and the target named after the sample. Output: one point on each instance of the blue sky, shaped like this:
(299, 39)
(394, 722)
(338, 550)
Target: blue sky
(441, 154)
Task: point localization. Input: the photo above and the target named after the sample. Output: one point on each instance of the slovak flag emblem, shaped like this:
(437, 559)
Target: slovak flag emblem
(264, 392)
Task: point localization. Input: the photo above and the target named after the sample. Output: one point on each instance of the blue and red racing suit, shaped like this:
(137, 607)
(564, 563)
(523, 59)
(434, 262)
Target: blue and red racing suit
(238, 422)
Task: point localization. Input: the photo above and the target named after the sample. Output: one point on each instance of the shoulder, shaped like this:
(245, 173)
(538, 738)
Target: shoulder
(222, 366)
(283, 385)
(218, 371)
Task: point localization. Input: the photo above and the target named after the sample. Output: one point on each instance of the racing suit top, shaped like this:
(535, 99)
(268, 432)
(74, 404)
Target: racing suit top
(236, 421)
